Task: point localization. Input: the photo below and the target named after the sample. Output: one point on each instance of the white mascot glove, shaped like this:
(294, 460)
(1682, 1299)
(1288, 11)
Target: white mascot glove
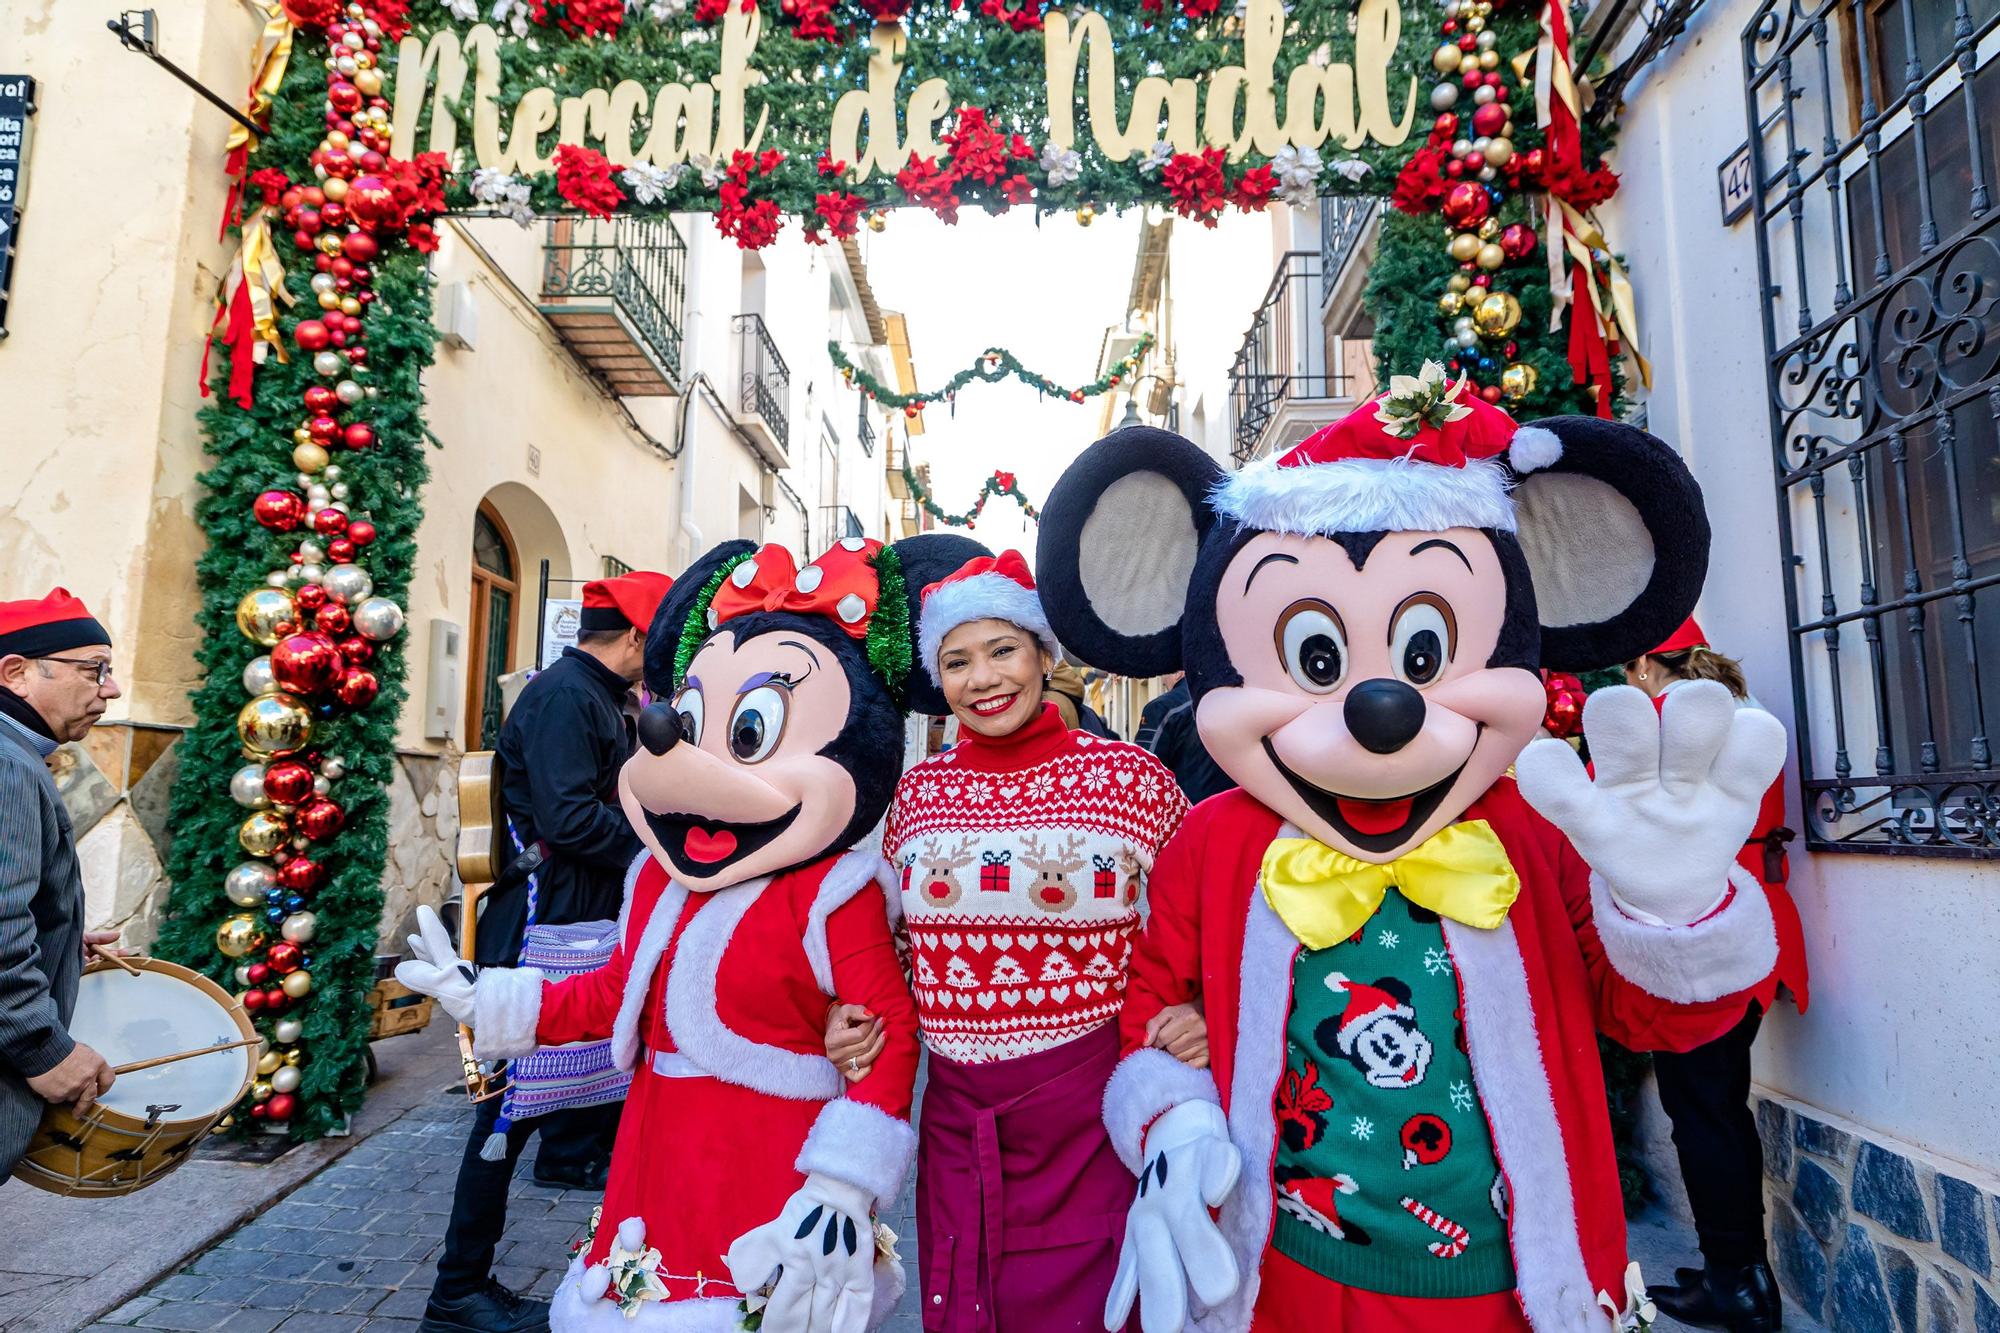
(821, 1252)
(1171, 1243)
(434, 967)
(1676, 794)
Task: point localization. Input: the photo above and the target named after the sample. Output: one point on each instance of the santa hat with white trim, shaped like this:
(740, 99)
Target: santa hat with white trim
(987, 587)
(1426, 456)
(1365, 1004)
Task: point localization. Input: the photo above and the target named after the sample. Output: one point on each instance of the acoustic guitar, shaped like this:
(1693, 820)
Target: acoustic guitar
(477, 868)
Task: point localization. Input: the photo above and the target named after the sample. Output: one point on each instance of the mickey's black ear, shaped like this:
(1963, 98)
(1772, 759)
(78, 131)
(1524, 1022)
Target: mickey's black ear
(664, 637)
(926, 559)
(1612, 524)
(1119, 536)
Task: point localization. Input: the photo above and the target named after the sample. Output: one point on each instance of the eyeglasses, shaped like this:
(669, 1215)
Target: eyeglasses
(100, 666)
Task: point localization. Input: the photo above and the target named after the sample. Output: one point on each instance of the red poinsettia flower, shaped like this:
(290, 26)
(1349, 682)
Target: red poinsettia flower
(1004, 481)
(768, 161)
(272, 182)
(1196, 184)
(978, 152)
(1017, 189)
(710, 11)
(580, 18)
(759, 224)
(1420, 184)
(423, 238)
(1199, 9)
(886, 11)
(924, 184)
(1254, 190)
(840, 211)
(1021, 15)
(393, 16)
(827, 166)
(584, 180)
(812, 20)
(312, 13)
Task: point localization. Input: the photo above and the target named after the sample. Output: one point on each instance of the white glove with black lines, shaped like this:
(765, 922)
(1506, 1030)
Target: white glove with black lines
(1171, 1242)
(821, 1252)
(434, 967)
(1676, 794)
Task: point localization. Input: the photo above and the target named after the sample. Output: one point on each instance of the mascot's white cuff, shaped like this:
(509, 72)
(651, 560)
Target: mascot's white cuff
(1146, 1085)
(1730, 949)
(506, 1006)
(862, 1145)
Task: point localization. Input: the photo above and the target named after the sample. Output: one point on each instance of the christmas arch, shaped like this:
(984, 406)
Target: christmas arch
(380, 116)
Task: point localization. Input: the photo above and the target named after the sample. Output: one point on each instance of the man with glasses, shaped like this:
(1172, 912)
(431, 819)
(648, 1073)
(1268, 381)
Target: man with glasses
(55, 682)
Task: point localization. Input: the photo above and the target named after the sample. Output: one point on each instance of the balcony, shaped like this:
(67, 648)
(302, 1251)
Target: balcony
(836, 522)
(864, 431)
(1347, 227)
(613, 291)
(1287, 380)
(767, 388)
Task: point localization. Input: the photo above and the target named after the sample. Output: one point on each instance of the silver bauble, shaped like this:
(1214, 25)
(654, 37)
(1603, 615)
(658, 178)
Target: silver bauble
(311, 551)
(246, 786)
(326, 363)
(349, 583)
(378, 618)
(323, 282)
(248, 883)
(1482, 94)
(322, 786)
(243, 974)
(300, 927)
(1468, 339)
(285, 1079)
(287, 1030)
(257, 674)
(348, 392)
(1444, 97)
(333, 768)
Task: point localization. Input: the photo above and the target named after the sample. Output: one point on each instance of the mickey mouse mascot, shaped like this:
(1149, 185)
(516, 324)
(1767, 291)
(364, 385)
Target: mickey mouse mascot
(743, 1181)
(1403, 953)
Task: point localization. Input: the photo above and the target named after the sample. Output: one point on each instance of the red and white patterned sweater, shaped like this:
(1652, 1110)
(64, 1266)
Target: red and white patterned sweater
(1022, 862)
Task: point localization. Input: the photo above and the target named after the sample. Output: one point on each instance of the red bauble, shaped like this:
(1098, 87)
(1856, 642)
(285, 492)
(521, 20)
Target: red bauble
(1446, 124)
(318, 819)
(1518, 240)
(1564, 717)
(359, 246)
(323, 427)
(257, 973)
(360, 531)
(305, 663)
(357, 687)
(284, 956)
(1489, 120)
(280, 511)
(289, 200)
(301, 874)
(359, 435)
(357, 650)
(305, 219)
(314, 196)
(303, 240)
(359, 355)
(311, 335)
(309, 597)
(253, 1001)
(281, 1106)
(1491, 393)
(339, 550)
(1467, 204)
(288, 782)
(329, 521)
(285, 627)
(334, 215)
(275, 999)
(320, 399)
(347, 100)
(259, 1111)
(332, 619)
(372, 202)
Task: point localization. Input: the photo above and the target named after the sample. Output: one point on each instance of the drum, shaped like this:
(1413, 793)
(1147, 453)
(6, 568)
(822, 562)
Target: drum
(151, 1119)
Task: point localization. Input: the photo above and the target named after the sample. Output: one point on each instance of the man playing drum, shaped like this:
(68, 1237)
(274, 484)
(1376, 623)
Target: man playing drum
(55, 682)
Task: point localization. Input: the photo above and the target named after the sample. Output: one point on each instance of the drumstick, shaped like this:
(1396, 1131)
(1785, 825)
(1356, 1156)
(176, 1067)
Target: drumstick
(158, 1060)
(114, 956)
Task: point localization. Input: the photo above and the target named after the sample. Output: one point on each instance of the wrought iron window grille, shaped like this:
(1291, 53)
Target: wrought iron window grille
(1277, 360)
(767, 382)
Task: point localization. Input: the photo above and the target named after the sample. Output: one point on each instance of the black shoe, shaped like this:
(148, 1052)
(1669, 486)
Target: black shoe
(1741, 1300)
(590, 1177)
(491, 1309)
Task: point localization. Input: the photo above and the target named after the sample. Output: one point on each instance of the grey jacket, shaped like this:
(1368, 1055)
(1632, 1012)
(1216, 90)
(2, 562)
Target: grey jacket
(41, 936)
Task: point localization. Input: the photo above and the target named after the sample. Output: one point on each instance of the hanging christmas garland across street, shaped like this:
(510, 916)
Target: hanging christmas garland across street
(1000, 483)
(995, 365)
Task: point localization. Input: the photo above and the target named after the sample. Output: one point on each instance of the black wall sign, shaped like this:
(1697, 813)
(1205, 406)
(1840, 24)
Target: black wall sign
(17, 105)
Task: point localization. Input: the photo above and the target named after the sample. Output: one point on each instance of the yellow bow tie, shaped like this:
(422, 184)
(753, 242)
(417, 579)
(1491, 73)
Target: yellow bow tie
(1324, 896)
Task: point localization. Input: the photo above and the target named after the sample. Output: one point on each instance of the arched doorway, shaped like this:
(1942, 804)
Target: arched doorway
(496, 596)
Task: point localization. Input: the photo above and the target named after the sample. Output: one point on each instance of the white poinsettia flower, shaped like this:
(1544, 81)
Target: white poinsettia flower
(1639, 1312)
(1353, 168)
(649, 184)
(664, 10)
(1156, 157)
(1061, 165)
(489, 185)
(1297, 170)
(465, 11)
(711, 171)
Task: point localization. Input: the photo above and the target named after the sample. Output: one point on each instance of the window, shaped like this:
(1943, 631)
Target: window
(491, 641)
(1880, 261)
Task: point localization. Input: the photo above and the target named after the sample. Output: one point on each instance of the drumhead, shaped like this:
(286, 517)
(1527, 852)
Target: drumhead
(127, 1018)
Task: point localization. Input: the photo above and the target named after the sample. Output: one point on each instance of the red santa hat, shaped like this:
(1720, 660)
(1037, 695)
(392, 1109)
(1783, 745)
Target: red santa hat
(987, 587)
(1688, 636)
(625, 602)
(48, 625)
(1425, 456)
(1365, 1004)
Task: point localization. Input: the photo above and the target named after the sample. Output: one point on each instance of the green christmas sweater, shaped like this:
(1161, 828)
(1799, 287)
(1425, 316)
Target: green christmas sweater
(1386, 1176)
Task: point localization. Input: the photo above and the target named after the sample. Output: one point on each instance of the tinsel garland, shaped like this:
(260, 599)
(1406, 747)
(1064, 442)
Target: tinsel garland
(993, 366)
(1000, 483)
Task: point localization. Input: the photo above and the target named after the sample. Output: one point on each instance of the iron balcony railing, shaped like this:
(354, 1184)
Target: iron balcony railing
(639, 263)
(1344, 222)
(864, 431)
(767, 382)
(1279, 358)
(836, 522)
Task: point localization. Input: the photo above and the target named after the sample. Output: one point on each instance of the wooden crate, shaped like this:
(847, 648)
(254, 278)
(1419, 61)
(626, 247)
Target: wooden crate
(396, 1009)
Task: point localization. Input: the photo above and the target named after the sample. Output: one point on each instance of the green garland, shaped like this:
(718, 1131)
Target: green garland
(694, 629)
(995, 365)
(890, 634)
(1000, 483)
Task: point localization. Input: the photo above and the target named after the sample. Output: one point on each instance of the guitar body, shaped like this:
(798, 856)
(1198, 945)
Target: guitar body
(476, 870)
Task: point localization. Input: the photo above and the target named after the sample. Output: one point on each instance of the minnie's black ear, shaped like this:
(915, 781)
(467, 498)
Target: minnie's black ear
(1613, 527)
(664, 636)
(1119, 536)
(926, 559)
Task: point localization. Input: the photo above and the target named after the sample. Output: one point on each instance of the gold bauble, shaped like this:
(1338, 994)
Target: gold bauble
(1518, 380)
(238, 935)
(335, 188)
(301, 436)
(1489, 230)
(224, 1125)
(274, 724)
(335, 139)
(1450, 304)
(269, 1063)
(264, 832)
(1458, 282)
(310, 458)
(329, 300)
(1489, 59)
(260, 1091)
(260, 613)
(1445, 59)
(1490, 256)
(1496, 314)
(298, 984)
(295, 1057)
(1463, 247)
(350, 305)
(1475, 23)
(1498, 150)
(368, 81)
(877, 220)
(1085, 215)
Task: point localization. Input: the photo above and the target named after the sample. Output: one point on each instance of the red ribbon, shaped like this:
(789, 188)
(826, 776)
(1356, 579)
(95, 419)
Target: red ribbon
(841, 585)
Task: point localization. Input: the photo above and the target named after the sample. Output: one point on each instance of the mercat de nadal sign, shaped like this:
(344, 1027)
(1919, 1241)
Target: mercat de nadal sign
(1101, 98)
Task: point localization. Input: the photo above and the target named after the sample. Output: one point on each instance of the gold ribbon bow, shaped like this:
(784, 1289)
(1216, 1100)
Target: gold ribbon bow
(1324, 896)
(1611, 299)
(268, 60)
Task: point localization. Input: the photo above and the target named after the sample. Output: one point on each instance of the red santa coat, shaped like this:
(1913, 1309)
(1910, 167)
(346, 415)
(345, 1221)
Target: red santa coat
(1535, 992)
(717, 1003)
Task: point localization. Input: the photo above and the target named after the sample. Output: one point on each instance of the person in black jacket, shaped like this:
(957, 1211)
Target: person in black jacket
(557, 758)
(1177, 745)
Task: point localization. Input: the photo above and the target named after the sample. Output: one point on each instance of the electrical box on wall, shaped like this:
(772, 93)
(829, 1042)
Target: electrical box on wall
(457, 316)
(444, 683)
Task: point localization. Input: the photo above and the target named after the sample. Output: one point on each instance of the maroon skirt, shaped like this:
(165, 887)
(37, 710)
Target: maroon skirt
(1020, 1199)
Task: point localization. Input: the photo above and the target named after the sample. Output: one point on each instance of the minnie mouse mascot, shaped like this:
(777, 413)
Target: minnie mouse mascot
(744, 1181)
(1404, 954)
